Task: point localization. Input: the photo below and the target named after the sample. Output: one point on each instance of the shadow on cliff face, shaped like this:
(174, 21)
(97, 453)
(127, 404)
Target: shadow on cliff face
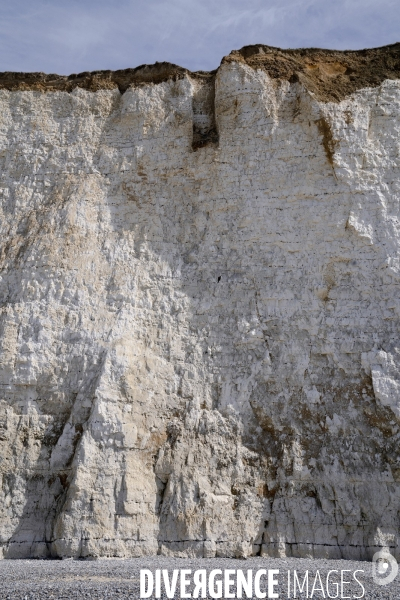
(47, 365)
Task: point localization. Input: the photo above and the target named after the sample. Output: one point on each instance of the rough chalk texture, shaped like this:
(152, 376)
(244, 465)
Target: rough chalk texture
(199, 318)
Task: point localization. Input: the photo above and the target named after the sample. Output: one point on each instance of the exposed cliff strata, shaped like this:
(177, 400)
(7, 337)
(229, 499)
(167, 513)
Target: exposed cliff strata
(200, 350)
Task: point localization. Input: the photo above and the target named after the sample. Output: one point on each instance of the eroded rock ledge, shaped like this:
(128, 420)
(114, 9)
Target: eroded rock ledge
(199, 308)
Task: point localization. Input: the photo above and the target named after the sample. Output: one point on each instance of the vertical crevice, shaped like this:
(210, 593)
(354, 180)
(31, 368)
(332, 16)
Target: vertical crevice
(204, 125)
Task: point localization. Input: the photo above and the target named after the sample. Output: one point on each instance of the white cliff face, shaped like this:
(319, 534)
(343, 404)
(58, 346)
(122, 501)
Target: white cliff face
(200, 349)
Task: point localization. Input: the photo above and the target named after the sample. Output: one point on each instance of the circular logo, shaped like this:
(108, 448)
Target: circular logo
(384, 567)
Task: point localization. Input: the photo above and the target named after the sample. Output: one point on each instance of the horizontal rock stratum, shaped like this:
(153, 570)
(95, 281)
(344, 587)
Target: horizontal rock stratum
(200, 303)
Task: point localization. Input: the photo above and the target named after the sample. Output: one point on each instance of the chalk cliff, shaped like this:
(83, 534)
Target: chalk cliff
(199, 308)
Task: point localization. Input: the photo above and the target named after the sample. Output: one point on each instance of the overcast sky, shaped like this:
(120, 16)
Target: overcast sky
(70, 36)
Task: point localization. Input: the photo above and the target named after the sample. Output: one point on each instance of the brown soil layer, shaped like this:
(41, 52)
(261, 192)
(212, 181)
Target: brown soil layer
(330, 74)
(98, 80)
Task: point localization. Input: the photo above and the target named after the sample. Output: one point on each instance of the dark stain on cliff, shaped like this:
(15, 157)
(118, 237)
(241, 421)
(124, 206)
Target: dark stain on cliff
(327, 139)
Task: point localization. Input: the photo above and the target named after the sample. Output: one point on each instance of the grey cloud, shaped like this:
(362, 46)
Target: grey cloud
(64, 37)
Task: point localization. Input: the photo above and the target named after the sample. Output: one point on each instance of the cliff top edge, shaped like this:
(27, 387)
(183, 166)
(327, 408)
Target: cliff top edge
(329, 74)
